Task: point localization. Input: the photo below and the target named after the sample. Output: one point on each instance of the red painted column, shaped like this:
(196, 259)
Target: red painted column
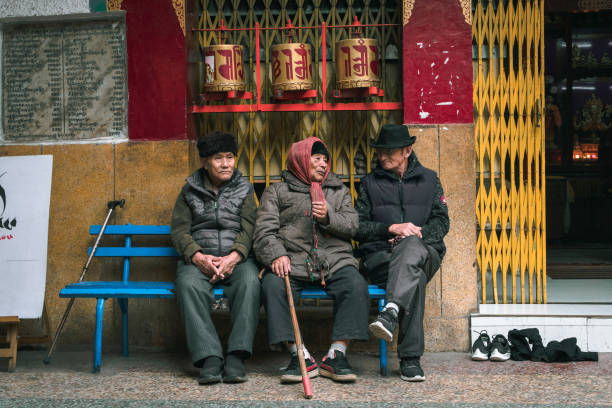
(156, 71)
(437, 57)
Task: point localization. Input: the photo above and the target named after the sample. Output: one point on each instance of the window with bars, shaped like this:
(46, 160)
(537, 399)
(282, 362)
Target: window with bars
(264, 137)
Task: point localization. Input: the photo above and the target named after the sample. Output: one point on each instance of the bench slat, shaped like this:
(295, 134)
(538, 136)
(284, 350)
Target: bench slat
(114, 289)
(374, 292)
(134, 251)
(129, 229)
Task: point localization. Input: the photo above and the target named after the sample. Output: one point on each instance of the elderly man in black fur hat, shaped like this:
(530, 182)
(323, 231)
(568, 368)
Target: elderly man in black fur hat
(212, 230)
(403, 219)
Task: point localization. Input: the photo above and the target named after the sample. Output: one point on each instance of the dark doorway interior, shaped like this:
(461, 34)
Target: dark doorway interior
(578, 134)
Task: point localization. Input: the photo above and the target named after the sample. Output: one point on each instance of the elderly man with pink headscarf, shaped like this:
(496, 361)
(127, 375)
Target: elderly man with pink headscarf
(304, 228)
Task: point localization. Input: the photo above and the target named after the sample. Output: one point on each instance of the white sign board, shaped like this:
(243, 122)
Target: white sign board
(25, 192)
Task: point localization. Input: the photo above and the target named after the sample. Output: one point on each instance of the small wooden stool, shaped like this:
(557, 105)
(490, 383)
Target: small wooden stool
(11, 336)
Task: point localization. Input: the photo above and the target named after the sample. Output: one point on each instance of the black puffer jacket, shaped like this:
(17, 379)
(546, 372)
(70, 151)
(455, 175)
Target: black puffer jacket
(385, 199)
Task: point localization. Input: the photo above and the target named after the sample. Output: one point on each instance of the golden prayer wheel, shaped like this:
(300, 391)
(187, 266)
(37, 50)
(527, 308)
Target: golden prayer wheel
(291, 67)
(224, 68)
(357, 63)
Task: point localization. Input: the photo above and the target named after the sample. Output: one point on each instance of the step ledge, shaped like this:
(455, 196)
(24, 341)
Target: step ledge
(556, 310)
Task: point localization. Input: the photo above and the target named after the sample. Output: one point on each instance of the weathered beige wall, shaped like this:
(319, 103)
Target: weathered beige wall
(149, 175)
(452, 293)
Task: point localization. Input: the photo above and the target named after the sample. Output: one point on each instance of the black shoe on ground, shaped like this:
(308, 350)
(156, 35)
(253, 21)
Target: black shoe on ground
(410, 369)
(384, 325)
(500, 349)
(234, 371)
(481, 347)
(292, 373)
(337, 368)
(211, 371)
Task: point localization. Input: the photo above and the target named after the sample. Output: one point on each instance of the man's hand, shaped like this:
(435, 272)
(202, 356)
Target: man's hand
(225, 266)
(319, 211)
(281, 266)
(405, 230)
(206, 264)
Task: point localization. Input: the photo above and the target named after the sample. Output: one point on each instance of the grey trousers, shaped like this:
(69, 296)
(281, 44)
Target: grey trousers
(347, 288)
(404, 273)
(195, 299)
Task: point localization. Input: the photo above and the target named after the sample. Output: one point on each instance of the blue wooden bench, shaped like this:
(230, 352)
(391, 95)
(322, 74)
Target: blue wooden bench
(124, 289)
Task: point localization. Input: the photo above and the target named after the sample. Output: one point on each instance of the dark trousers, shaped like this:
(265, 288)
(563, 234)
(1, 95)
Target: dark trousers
(195, 298)
(404, 273)
(346, 287)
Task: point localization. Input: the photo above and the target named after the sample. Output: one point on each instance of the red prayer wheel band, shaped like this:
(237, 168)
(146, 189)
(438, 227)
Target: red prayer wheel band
(357, 63)
(224, 68)
(291, 66)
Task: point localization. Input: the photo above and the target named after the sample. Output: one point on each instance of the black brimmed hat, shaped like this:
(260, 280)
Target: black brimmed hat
(216, 142)
(392, 137)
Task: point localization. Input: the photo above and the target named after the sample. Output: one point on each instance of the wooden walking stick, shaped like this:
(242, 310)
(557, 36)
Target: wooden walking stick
(298, 340)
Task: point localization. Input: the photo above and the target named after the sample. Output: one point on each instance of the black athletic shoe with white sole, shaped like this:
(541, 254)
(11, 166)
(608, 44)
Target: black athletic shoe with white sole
(410, 369)
(500, 349)
(337, 368)
(292, 372)
(481, 347)
(384, 325)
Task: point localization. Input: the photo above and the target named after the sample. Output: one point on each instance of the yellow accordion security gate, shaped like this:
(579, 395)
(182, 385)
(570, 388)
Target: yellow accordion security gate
(508, 42)
(265, 137)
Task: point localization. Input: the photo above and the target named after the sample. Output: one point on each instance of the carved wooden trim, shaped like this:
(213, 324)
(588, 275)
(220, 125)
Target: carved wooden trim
(179, 9)
(595, 4)
(113, 5)
(408, 6)
(466, 6)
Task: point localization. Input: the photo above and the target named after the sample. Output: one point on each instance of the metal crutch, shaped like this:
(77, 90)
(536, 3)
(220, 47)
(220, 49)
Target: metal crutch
(111, 207)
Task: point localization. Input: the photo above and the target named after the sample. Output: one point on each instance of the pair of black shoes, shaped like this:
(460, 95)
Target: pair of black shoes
(383, 328)
(337, 368)
(214, 370)
(484, 349)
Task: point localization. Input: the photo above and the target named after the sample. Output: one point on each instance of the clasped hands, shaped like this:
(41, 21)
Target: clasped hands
(403, 230)
(216, 267)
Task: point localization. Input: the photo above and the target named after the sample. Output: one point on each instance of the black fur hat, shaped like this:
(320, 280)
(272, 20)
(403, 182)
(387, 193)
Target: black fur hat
(319, 148)
(216, 142)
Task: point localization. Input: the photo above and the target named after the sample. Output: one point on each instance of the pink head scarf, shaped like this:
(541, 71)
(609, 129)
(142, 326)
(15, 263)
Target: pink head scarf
(298, 163)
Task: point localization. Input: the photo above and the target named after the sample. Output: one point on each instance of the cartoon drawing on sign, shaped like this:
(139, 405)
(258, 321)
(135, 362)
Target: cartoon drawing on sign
(5, 223)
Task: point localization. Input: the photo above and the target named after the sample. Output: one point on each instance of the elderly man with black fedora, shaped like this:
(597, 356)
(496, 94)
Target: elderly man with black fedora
(212, 230)
(403, 219)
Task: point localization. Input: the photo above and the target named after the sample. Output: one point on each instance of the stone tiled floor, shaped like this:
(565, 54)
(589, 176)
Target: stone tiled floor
(147, 379)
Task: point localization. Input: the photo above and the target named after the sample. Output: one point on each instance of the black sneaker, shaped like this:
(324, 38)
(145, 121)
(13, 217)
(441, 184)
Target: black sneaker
(337, 368)
(292, 373)
(500, 349)
(384, 325)
(210, 373)
(234, 371)
(481, 347)
(410, 369)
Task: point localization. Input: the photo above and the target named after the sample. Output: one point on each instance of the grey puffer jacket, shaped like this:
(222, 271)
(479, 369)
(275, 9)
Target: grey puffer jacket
(284, 226)
(216, 218)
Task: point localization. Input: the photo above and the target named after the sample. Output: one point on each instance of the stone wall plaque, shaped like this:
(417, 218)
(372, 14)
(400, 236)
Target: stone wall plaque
(64, 81)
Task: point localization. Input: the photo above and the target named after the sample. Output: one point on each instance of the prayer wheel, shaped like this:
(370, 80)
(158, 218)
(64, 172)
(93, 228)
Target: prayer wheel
(357, 63)
(224, 68)
(291, 67)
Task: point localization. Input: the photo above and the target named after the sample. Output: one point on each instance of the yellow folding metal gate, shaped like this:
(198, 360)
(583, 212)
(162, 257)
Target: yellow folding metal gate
(508, 47)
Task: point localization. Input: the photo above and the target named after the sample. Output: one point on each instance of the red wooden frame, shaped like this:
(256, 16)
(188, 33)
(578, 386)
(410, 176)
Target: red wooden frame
(296, 107)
